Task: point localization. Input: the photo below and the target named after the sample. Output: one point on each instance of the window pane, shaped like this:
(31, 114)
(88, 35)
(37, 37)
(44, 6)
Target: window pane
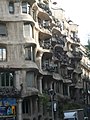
(0, 54)
(30, 79)
(28, 30)
(29, 54)
(31, 30)
(11, 7)
(32, 53)
(7, 79)
(2, 79)
(27, 106)
(4, 54)
(11, 78)
(24, 7)
(3, 30)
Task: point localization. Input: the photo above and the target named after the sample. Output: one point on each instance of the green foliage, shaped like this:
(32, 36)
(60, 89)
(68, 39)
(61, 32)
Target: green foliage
(44, 98)
(60, 110)
(70, 106)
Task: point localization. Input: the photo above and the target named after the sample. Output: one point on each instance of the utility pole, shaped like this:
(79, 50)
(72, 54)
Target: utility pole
(52, 93)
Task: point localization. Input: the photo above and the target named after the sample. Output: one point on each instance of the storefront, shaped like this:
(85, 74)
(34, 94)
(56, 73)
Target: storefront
(7, 108)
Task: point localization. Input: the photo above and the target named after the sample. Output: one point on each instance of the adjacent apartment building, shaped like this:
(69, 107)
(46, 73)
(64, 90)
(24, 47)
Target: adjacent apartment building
(40, 61)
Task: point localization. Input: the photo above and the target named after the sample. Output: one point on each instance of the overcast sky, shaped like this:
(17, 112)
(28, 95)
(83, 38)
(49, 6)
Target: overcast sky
(78, 12)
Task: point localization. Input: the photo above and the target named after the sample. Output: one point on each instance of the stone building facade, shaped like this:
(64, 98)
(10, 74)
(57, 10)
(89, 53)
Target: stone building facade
(39, 61)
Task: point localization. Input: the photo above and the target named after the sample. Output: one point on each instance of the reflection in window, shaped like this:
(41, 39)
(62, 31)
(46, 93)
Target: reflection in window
(11, 7)
(2, 54)
(6, 78)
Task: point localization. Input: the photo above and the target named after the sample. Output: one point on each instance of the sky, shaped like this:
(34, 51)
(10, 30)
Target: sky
(78, 12)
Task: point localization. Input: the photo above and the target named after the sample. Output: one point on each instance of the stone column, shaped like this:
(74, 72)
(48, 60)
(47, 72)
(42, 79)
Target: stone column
(68, 91)
(19, 109)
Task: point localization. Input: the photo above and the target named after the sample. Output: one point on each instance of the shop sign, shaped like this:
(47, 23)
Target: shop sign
(7, 107)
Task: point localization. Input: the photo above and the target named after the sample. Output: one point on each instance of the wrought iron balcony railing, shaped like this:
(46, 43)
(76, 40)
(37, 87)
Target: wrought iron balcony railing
(45, 7)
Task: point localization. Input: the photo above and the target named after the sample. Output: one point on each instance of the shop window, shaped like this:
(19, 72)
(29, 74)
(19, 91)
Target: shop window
(3, 54)
(25, 7)
(30, 79)
(7, 108)
(3, 29)
(30, 53)
(6, 79)
(28, 30)
(11, 7)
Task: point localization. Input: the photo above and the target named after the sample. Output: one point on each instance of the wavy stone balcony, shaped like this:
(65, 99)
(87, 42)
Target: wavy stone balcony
(31, 91)
(44, 8)
(17, 17)
(14, 65)
(85, 65)
(77, 55)
(56, 30)
(44, 33)
(29, 41)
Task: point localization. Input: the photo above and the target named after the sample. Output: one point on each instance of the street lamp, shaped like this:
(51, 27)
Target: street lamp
(52, 93)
